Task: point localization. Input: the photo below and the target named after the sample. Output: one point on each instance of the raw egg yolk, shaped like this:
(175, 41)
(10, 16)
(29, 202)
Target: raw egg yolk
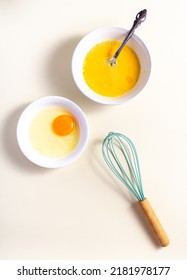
(63, 125)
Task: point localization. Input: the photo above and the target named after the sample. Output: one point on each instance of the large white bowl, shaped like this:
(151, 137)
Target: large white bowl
(23, 131)
(103, 34)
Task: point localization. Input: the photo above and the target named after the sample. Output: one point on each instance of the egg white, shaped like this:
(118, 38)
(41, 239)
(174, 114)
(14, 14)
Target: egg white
(45, 141)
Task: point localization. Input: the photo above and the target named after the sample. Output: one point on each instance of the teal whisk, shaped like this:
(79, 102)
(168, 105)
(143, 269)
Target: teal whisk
(120, 155)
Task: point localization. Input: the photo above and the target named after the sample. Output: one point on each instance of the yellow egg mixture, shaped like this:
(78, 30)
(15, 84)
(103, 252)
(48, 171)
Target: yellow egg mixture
(54, 132)
(109, 80)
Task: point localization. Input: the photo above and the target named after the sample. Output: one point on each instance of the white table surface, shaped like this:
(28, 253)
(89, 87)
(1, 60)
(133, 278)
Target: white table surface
(80, 211)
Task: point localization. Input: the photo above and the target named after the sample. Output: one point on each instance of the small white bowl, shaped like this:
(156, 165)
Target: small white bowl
(104, 34)
(23, 131)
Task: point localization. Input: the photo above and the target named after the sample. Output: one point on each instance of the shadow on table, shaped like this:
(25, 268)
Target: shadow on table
(11, 146)
(59, 75)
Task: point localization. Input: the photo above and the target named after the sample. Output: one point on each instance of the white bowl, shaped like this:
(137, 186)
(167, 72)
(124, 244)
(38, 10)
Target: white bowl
(103, 34)
(23, 131)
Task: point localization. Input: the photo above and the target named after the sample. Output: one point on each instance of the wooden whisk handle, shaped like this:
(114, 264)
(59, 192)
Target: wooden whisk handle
(154, 222)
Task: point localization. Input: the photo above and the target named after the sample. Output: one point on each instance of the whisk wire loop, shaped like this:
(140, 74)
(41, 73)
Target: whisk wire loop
(115, 158)
(116, 143)
(121, 174)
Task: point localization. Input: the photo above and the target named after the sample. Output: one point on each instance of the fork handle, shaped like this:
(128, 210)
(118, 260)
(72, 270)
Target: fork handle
(140, 17)
(154, 222)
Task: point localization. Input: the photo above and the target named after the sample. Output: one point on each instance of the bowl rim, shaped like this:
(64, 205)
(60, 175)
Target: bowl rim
(23, 125)
(83, 87)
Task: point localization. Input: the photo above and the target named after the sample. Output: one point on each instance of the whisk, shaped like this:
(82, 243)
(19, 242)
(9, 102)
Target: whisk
(120, 155)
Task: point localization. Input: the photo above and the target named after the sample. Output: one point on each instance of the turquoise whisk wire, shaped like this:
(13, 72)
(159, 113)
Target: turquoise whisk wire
(131, 177)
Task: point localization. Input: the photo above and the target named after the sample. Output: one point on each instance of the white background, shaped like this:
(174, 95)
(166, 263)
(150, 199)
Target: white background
(80, 211)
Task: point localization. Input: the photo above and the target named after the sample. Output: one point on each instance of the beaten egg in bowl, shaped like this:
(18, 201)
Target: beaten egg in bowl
(101, 82)
(107, 80)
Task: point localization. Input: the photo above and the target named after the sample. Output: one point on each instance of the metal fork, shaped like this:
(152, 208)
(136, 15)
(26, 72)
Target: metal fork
(140, 17)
